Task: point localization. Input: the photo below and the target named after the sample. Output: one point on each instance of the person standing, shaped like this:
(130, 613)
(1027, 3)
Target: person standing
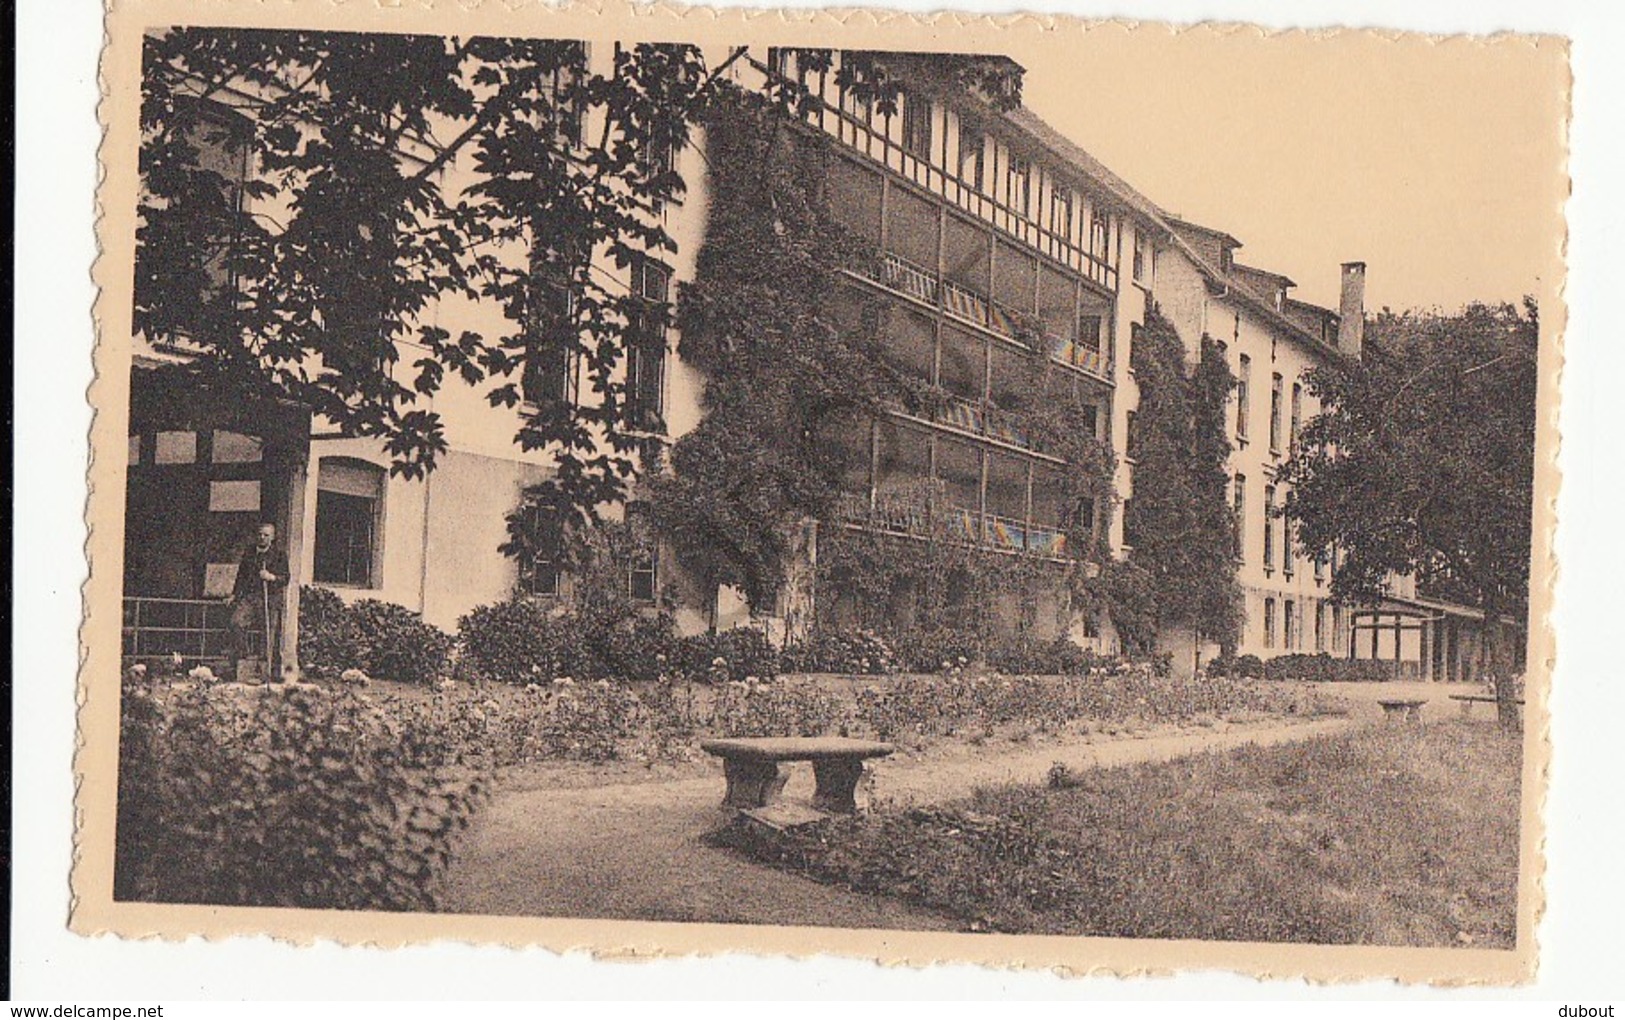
(256, 602)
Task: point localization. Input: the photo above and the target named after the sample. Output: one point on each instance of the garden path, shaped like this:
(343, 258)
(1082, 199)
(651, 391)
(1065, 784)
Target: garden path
(634, 850)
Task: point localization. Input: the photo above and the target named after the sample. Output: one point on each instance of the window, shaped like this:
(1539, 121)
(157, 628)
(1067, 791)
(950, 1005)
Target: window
(1288, 624)
(1320, 626)
(1337, 628)
(1143, 257)
(1238, 507)
(642, 582)
(1269, 528)
(349, 498)
(1269, 623)
(1243, 392)
(1099, 237)
(549, 375)
(1320, 566)
(1135, 330)
(1131, 444)
(972, 157)
(1297, 415)
(1128, 521)
(1288, 564)
(1089, 331)
(1018, 178)
(646, 346)
(567, 103)
(540, 571)
(1275, 412)
(917, 125)
(1060, 212)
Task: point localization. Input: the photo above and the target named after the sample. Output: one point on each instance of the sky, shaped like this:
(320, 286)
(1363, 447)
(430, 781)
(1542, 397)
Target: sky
(1438, 163)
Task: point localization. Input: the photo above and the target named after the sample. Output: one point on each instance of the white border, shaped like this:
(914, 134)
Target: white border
(57, 137)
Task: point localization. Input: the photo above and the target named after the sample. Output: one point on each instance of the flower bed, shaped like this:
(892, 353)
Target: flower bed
(493, 725)
(286, 795)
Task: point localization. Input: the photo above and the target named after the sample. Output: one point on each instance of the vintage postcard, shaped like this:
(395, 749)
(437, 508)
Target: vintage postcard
(1011, 490)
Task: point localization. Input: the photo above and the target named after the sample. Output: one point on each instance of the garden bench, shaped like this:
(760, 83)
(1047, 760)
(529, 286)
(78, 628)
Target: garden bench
(1403, 708)
(1468, 700)
(751, 765)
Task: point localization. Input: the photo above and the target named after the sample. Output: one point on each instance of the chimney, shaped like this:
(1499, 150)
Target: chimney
(1351, 310)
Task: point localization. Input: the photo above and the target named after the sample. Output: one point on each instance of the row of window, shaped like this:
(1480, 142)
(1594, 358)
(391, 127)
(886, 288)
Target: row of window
(1288, 545)
(957, 149)
(1244, 407)
(1326, 622)
(349, 535)
(552, 369)
(544, 573)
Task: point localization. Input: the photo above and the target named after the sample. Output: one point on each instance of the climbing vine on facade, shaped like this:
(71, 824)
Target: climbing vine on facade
(787, 352)
(1179, 524)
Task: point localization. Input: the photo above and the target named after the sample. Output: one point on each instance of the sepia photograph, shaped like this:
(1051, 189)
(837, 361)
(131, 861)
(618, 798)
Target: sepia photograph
(1092, 485)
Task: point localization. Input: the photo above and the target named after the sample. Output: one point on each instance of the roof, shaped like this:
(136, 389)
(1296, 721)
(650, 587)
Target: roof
(1278, 278)
(1218, 235)
(1073, 155)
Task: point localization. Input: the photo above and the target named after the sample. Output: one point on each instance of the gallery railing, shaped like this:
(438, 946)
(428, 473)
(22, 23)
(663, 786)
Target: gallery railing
(902, 276)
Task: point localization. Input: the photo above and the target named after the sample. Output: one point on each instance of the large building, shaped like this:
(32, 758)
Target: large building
(998, 240)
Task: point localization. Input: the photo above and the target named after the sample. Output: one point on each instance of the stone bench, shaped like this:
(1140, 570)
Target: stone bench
(1403, 708)
(751, 765)
(1469, 700)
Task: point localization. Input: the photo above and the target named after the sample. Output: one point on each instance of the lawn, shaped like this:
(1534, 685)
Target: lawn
(1391, 835)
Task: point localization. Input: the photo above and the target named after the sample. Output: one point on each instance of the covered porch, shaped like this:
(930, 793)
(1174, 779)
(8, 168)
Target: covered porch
(1429, 639)
(204, 469)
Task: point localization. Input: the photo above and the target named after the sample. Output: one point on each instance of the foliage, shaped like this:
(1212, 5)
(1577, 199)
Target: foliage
(787, 351)
(350, 232)
(841, 651)
(756, 709)
(1059, 656)
(1324, 667)
(929, 594)
(933, 706)
(282, 796)
(1179, 523)
(1293, 843)
(526, 640)
(382, 639)
(737, 654)
(1238, 666)
(1421, 460)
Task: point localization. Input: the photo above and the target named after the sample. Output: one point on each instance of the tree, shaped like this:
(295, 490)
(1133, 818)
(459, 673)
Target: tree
(1179, 523)
(1421, 462)
(308, 197)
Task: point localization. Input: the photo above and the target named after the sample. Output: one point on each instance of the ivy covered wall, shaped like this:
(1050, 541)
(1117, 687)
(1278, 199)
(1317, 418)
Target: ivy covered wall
(1181, 572)
(792, 352)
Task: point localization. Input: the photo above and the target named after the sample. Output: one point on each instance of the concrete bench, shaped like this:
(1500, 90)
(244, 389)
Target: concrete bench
(1407, 709)
(1469, 700)
(751, 765)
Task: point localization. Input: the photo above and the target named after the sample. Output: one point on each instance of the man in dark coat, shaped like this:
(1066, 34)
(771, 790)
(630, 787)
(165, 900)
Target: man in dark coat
(256, 602)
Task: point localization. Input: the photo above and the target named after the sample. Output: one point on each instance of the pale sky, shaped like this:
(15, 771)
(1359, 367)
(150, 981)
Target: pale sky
(1439, 164)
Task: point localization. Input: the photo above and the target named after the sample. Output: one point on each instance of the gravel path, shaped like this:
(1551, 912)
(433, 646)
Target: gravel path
(633, 850)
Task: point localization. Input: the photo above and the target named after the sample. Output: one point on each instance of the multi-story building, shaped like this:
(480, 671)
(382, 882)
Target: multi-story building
(998, 240)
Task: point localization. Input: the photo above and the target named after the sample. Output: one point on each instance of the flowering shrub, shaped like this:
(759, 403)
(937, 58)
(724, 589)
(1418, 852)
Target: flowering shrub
(782, 709)
(926, 651)
(379, 638)
(956, 702)
(1061, 656)
(291, 796)
(744, 651)
(531, 641)
(845, 651)
(1319, 667)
